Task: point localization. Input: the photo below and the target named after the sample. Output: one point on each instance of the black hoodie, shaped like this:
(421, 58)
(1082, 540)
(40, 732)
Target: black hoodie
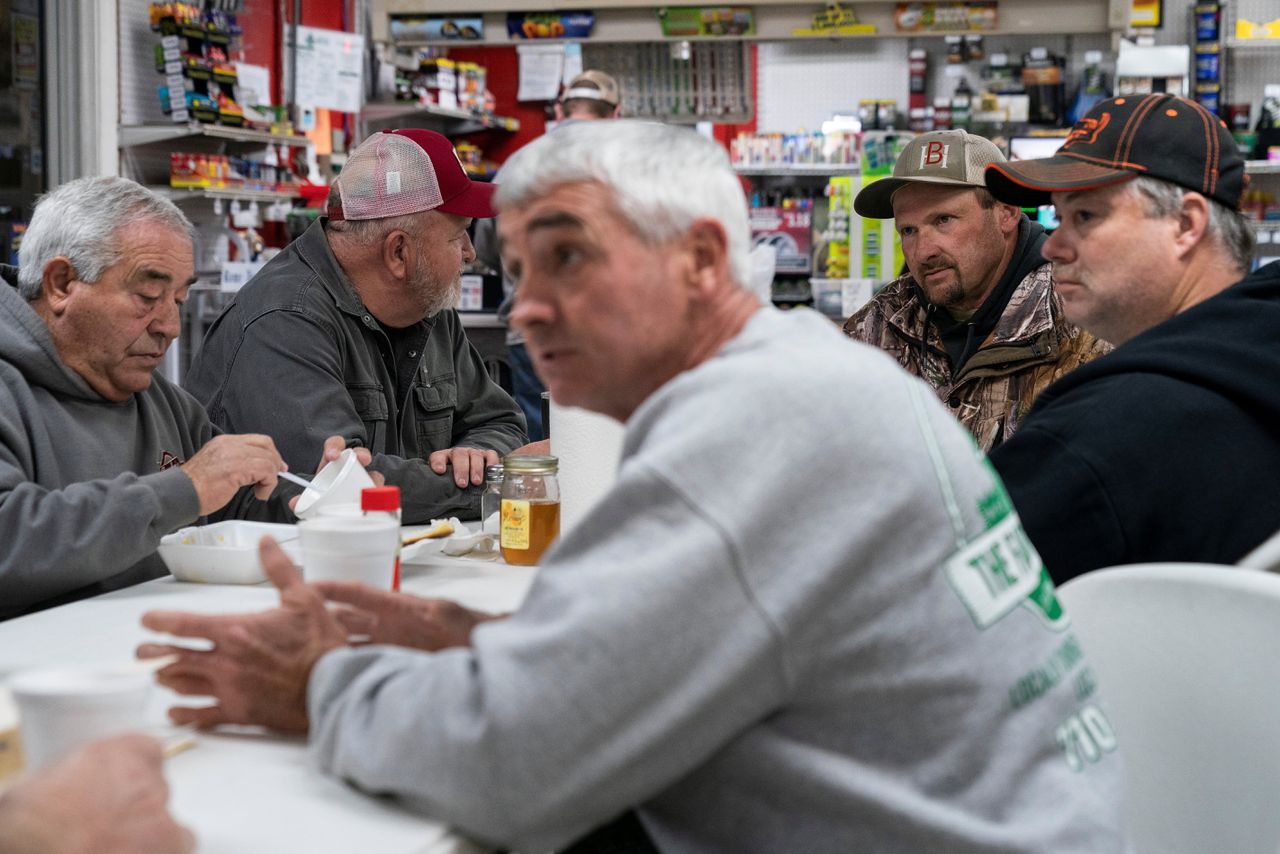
(1167, 449)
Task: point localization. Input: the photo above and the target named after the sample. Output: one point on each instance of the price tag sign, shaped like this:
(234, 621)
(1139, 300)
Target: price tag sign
(236, 273)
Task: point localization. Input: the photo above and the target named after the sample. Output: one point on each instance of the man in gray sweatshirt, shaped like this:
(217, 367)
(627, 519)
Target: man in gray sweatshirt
(731, 652)
(99, 456)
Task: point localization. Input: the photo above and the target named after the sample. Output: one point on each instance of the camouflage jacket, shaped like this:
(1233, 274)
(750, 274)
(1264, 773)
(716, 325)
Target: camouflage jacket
(1031, 346)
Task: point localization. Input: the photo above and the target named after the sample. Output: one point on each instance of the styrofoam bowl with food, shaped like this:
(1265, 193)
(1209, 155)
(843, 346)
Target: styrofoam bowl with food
(224, 552)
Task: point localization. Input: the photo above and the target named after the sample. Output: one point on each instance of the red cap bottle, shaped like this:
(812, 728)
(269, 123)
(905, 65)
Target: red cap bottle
(384, 499)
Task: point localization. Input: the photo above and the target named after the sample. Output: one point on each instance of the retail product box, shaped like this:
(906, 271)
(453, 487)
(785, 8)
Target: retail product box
(789, 231)
(840, 298)
(854, 294)
(440, 78)
(480, 292)
(472, 296)
(236, 274)
(471, 86)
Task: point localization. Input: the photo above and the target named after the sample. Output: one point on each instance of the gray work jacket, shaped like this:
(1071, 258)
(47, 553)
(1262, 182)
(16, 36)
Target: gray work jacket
(296, 356)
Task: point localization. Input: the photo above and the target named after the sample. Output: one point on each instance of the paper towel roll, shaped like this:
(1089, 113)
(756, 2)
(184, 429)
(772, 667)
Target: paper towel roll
(589, 447)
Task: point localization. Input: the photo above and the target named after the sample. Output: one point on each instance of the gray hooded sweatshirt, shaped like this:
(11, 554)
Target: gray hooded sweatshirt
(760, 648)
(87, 486)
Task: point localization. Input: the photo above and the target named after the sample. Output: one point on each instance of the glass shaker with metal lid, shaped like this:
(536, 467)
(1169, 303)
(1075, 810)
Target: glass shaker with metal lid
(491, 499)
(530, 515)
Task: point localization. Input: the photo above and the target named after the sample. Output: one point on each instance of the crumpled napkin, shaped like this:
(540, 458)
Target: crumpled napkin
(465, 541)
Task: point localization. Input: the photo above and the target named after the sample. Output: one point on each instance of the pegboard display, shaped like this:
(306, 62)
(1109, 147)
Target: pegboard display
(139, 100)
(1248, 69)
(679, 81)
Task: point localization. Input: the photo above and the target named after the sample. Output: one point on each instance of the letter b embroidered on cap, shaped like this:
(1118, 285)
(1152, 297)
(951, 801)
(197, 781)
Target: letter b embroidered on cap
(934, 154)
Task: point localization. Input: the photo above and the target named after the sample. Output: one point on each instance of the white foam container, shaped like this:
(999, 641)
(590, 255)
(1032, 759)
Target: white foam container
(224, 552)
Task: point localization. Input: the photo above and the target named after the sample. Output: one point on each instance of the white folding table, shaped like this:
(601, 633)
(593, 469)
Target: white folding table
(247, 792)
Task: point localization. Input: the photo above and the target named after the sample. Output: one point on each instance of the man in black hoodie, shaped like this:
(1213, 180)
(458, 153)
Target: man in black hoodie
(1166, 449)
(975, 316)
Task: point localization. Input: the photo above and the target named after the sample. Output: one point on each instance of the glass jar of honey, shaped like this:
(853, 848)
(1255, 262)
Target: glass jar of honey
(530, 516)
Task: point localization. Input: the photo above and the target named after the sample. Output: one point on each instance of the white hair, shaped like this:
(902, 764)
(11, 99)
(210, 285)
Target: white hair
(82, 221)
(664, 179)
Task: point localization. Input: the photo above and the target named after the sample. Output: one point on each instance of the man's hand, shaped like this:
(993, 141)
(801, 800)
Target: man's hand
(402, 619)
(107, 798)
(539, 448)
(468, 464)
(259, 665)
(229, 462)
(333, 448)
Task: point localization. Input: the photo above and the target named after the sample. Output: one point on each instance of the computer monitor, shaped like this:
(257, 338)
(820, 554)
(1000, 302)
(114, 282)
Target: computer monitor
(1031, 148)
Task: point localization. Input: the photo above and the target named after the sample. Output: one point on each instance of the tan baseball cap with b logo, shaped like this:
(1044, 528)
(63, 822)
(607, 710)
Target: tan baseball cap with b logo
(954, 158)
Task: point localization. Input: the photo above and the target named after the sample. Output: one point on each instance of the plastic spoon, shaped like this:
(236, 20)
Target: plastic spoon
(293, 478)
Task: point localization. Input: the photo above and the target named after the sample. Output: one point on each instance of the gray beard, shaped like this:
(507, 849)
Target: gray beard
(446, 298)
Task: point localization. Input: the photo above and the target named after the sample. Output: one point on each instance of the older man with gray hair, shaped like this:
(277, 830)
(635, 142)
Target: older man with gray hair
(100, 456)
(729, 654)
(351, 331)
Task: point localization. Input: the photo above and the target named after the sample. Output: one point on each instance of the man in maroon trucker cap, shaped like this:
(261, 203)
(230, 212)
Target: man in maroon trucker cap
(1166, 449)
(351, 331)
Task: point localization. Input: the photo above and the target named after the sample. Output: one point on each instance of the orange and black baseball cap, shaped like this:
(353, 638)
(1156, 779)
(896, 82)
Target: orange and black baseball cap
(1159, 135)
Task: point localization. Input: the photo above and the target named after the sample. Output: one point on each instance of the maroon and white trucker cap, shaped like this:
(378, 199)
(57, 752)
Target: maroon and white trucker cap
(407, 171)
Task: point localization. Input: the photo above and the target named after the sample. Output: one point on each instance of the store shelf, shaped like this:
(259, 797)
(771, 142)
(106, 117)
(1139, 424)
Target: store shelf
(1262, 167)
(231, 193)
(134, 135)
(819, 169)
(453, 121)
(775, 20)
(1245, 44)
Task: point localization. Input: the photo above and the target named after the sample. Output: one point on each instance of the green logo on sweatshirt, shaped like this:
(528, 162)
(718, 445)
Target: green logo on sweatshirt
(1000, 569)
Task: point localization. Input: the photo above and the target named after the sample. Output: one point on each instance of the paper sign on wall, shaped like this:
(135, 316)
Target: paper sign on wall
(541, 68)
(330, 68)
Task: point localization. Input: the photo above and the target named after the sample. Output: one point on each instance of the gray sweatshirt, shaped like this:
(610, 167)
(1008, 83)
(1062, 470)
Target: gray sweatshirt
(87, 486)
(805, 619)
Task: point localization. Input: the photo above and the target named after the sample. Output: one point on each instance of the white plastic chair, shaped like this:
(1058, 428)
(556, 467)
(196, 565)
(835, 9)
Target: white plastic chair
(1188, 664)
(1265, 556)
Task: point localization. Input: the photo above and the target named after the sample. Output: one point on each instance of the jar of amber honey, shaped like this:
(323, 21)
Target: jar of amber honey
(530, 517)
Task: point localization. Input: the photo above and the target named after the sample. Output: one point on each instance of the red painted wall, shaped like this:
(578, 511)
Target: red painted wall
(503, 78)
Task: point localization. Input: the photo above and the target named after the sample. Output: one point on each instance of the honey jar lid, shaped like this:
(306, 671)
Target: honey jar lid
(530, 464)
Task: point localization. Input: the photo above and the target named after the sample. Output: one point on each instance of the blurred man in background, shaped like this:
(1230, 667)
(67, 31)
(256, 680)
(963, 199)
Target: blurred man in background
(592, 95)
